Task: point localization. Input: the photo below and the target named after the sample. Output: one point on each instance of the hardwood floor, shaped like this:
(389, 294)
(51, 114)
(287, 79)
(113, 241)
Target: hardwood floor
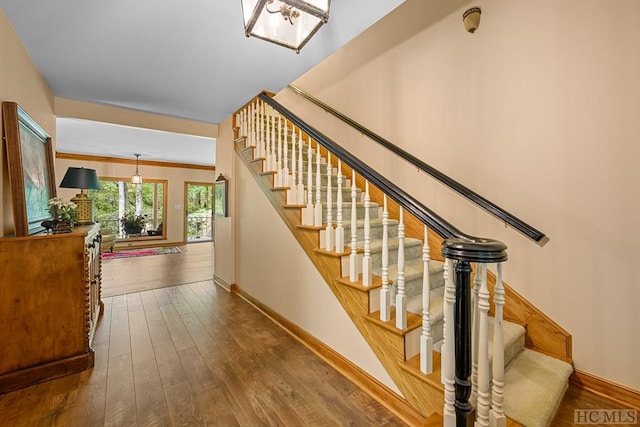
(126, 275)
(193, 354)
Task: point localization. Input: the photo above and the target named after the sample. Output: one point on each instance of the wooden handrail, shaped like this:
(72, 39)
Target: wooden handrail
(416, 208)
(532, 233)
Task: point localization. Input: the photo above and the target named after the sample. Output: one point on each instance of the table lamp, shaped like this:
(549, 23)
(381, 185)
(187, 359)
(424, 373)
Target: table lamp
(84, 179)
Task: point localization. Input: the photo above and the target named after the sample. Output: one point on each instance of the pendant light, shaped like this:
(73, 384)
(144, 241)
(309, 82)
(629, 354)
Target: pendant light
(137, 178)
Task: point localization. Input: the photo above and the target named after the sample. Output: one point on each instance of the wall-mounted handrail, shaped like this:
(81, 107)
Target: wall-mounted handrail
(410, 204)
(474, 197)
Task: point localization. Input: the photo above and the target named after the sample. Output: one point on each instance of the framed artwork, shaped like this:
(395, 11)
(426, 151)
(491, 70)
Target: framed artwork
(31, 170)
(220, 196)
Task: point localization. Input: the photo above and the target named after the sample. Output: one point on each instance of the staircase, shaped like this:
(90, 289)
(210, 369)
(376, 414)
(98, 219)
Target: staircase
(533, 383)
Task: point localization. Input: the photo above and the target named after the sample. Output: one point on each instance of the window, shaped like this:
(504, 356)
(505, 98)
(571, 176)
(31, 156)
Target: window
(118, 198)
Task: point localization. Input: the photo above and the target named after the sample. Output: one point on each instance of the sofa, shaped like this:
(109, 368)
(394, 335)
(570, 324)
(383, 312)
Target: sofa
(108, 239)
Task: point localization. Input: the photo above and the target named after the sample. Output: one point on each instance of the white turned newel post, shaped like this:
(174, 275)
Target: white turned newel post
(367, 266)
(328, 232)
(300, 193)
(317, 207)
(292, 192)
(286, 179)
(307, 213)
(353, 258)
(482, 348)
(426, 341)
(497, 416)
(448, 353)
(401, 297)
(385, 294)
(339, 227)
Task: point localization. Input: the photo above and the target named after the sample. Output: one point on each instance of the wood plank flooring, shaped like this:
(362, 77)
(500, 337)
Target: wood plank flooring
(194, 355)
(126, 275)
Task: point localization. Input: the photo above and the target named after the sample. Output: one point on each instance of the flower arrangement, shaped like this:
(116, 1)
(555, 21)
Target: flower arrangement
(62, 210)
(132, 223)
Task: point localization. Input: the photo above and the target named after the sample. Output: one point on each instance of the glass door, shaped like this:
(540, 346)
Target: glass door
(198, 212)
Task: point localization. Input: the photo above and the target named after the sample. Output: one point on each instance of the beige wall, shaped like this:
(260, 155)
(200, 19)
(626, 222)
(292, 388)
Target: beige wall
(538, 112)
(176, 177)
(272, 267)
(225, 242)
(20, 82)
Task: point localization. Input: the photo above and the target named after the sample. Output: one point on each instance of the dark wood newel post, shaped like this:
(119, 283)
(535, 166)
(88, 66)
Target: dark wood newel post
(465, 413)
(463, 252)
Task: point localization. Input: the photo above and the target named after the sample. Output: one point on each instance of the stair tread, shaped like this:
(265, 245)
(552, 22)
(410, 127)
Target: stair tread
(414, 269)
(514, 334)
(534, 386)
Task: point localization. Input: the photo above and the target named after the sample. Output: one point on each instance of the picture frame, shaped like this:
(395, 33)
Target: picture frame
(31, 169)
(220, 197)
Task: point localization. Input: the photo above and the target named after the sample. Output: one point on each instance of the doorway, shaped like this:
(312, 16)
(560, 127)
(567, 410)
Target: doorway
(198, 202)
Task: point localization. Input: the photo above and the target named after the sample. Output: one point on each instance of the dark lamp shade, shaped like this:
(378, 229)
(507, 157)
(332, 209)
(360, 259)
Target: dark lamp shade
(80, 178)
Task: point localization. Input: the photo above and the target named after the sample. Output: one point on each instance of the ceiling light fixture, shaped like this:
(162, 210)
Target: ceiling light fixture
(137, 178)
(266, 19)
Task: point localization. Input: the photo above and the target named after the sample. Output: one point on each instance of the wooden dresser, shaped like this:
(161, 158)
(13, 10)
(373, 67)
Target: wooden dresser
(50, 303)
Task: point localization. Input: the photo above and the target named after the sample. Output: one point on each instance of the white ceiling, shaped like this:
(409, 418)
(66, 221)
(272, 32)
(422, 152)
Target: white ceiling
(187, 59)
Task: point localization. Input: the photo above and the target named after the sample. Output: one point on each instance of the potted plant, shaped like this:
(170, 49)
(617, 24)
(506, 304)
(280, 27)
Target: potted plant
(64, 213)
(132, 223)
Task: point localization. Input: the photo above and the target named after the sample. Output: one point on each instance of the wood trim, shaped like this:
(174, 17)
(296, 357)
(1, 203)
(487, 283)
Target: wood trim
(352, 372)
(603, 387)
(105, 159)
(154, 244)
(219, 281)
(37, 374)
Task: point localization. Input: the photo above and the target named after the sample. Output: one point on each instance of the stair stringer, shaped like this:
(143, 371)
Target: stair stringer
(387, 345)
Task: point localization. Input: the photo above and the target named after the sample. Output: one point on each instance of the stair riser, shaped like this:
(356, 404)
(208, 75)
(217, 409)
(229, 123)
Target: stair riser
(410, 252)
(346, 214)
(414, 285)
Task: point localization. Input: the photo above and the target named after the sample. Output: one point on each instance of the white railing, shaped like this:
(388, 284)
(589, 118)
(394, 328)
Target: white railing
(268, 131)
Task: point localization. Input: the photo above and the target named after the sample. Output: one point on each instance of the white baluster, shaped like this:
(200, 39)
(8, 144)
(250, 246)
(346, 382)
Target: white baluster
(286, 179)
(279, 175)
(475, 325)
(328, 232)
(274, 163)
(353, 258)
(339, 227)
(317, 207)
(385, 294)
(259, 151)
(426, 340)
(292, 192)
(300, 193)
(267, 138)
(254, 129)
(482, 419)
(367, 266)
(263, 137)
(245, 130)
(250, 124)
(307, 213)
(448, 349)
(401, 297)
(497, 416)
